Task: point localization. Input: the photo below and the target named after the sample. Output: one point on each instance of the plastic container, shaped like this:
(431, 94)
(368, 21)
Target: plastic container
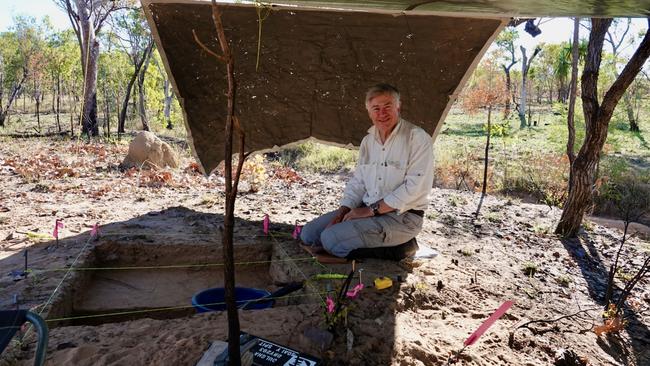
(213, 299)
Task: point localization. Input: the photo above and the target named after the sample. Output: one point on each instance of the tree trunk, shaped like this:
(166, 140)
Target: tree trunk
(487, 151)
(2, 85)
(525, 66)
(168, 103)
(506, 70)
(142, 105)
(107, 112)
(38, 113)
(89, 60)
(14, 93)
(127, 96)
(572, 98)
(58, 102)
(597, 119)
(629, 109)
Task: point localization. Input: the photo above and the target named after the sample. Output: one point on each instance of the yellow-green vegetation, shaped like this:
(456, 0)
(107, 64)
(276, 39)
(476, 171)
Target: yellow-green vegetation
(316, 157)
(432, 215)
(210, 200)
(254, 172)
(532, 162)
(541, 229)
(624, 275)
(449, 220)
(493, 217)
(456, 200)
(563, 280)
(529, 268)
(467, 252)
(37, 237)
(588, 225)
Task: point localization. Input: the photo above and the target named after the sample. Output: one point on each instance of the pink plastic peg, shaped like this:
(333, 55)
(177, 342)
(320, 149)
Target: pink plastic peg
(296, 231)
(265, 224)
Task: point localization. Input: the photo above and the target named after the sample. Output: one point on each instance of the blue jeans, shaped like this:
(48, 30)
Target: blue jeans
(385, 230)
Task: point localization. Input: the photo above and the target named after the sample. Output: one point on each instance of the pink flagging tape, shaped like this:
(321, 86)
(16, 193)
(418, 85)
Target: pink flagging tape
(265, 224)
(488, 323)
(58, 224)
(94, 233)
(296, 231)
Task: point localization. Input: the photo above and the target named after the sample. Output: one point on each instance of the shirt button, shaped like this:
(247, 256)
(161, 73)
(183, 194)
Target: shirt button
(379, 178)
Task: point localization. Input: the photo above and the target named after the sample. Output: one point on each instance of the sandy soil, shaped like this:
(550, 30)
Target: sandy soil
(171, 218)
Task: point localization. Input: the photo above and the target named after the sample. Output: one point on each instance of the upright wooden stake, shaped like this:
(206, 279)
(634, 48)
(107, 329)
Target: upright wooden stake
(231, 185)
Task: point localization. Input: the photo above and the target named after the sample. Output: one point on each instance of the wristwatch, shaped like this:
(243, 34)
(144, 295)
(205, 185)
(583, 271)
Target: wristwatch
(375, 208)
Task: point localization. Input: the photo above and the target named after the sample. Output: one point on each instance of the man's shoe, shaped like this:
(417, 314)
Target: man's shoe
(395, 253)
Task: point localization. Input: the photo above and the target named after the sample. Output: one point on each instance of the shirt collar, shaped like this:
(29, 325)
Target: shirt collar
(373, 130)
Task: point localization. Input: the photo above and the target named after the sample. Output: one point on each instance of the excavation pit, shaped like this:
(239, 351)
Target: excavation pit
(140, 270)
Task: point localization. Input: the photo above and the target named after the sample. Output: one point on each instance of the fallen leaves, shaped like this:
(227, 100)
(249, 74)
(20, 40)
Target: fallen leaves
(613, 322)
(612, 325)
(287, 175)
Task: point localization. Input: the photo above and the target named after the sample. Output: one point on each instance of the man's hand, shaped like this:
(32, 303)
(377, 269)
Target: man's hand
(358, 213)
(343, 210)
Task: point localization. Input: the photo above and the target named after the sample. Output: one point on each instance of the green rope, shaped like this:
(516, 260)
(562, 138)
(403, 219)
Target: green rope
(169, 308)
(171, 266)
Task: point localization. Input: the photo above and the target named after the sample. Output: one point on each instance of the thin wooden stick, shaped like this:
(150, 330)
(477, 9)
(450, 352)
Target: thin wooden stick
(206, 49)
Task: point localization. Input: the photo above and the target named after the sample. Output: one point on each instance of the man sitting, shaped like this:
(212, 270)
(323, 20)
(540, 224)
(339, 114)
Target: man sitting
(384, 202)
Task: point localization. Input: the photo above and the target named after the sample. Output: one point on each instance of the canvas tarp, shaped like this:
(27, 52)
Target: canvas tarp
(314, 68)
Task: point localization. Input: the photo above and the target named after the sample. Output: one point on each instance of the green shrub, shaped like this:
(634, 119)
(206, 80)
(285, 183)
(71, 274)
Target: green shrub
(316, 157)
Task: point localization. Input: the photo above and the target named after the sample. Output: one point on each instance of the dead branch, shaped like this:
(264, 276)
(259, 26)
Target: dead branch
(643, 271)
(206, 49)
(528, 324)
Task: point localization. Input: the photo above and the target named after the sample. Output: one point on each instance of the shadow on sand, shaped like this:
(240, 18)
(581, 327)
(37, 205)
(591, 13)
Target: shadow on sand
(595, 272)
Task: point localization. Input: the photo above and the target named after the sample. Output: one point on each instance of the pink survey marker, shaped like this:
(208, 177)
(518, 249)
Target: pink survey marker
(488, 323)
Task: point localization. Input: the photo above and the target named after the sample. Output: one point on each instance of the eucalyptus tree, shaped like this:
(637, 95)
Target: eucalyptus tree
(168, 94)
(562, 69)
(62, 58)
(615, 38)
(19, 47)
(525, 68)
(544, 73)
(133, 33)
(597, 115)
(88, 18)
(114, 72)
(506, 44)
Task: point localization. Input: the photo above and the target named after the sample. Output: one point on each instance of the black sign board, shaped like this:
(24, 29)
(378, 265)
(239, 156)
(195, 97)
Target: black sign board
(267, 353)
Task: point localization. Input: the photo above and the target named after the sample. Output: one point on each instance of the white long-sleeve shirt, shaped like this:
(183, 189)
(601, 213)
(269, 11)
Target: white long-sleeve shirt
(399, 171)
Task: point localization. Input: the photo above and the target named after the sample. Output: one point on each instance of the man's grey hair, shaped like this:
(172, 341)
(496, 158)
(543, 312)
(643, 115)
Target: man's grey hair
(382, 89)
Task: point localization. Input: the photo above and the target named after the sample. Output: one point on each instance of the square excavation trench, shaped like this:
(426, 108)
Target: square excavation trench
(161, 281)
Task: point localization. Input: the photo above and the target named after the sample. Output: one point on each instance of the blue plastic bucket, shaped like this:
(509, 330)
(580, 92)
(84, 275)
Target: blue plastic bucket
(213, 299)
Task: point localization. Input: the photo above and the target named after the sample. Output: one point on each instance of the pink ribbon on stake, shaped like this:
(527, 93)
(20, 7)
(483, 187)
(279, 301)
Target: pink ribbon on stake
(488, 323)
(265, 224)
(330, 304)
(94, 232)
(296, 231)
(58, 224)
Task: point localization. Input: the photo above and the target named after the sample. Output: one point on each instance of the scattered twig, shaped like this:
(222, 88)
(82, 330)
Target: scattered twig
(528, 324)
(206, 49)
